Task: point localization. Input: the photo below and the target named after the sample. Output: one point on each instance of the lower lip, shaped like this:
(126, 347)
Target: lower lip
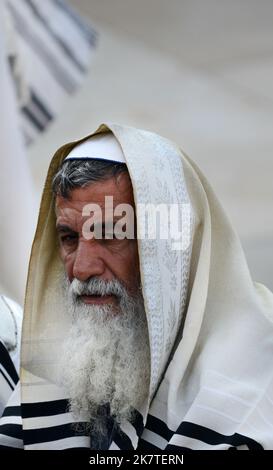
(98, 300)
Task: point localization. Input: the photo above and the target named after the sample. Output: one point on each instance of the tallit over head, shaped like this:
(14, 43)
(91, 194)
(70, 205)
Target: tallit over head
(210, 326)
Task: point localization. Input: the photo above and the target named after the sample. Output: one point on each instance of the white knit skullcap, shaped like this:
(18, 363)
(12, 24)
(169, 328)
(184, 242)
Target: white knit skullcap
(99, 147)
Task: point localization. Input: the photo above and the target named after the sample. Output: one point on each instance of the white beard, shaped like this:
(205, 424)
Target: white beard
(106, 356)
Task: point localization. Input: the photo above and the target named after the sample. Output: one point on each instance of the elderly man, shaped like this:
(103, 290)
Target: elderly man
(139, 334)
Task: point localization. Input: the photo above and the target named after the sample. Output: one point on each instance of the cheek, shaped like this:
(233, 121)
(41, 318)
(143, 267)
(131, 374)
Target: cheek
(126, 263)
(68, 261)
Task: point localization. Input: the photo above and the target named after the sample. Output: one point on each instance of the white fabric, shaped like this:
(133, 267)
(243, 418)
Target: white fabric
(17, 208)
(100, 148)
(11, 315)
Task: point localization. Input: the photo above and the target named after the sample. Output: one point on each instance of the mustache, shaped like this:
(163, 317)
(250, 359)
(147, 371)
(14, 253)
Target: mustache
(97, 287)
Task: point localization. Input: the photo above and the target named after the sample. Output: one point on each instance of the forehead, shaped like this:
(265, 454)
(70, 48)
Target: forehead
(120, 188)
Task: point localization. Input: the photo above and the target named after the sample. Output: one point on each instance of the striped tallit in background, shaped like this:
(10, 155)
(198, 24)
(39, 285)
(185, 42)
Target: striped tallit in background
(8, 377)
(50, 48)
(46, 50)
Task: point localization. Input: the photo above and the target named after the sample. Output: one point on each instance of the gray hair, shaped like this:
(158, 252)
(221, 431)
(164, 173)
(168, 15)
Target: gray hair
(80, 173)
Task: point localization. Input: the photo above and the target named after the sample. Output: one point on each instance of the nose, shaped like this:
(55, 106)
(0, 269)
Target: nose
(87, 262)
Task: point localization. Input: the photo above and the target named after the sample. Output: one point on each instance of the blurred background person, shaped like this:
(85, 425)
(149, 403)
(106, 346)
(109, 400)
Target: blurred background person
(45, 53)
(46, 50)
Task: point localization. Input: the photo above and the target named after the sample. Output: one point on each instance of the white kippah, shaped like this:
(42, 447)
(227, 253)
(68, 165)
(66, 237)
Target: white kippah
(99, 147)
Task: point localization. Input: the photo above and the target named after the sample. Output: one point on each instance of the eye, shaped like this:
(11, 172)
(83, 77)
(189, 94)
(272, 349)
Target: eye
(68, 239)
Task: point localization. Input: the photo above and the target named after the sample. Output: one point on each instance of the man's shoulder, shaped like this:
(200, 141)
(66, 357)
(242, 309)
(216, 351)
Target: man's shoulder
(11, 422)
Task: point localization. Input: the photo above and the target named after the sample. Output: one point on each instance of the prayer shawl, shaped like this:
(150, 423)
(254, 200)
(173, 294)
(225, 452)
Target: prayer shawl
(210, 326)
(49, 47)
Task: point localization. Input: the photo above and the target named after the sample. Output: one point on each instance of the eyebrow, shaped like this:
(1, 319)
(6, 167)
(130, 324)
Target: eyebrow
(64, 229)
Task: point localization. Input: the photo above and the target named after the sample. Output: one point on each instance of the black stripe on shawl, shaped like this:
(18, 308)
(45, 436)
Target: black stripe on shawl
(11, 448)
(122, 440)
(60, 74)
(175, 449)
(65, 48)
(211, 437)
(32, 118)
(40, 105)
(159, 427)
(137, 422)
(86, 31)
(11, 430)
(12, 411)
(7, 363)
(45, 408)
(146, 446)
(37, 113)
(11, 386)
(198, 432)
(49, 434)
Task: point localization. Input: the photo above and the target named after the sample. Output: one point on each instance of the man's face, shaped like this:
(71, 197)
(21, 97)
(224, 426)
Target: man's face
(105, 259)
(106, 356)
